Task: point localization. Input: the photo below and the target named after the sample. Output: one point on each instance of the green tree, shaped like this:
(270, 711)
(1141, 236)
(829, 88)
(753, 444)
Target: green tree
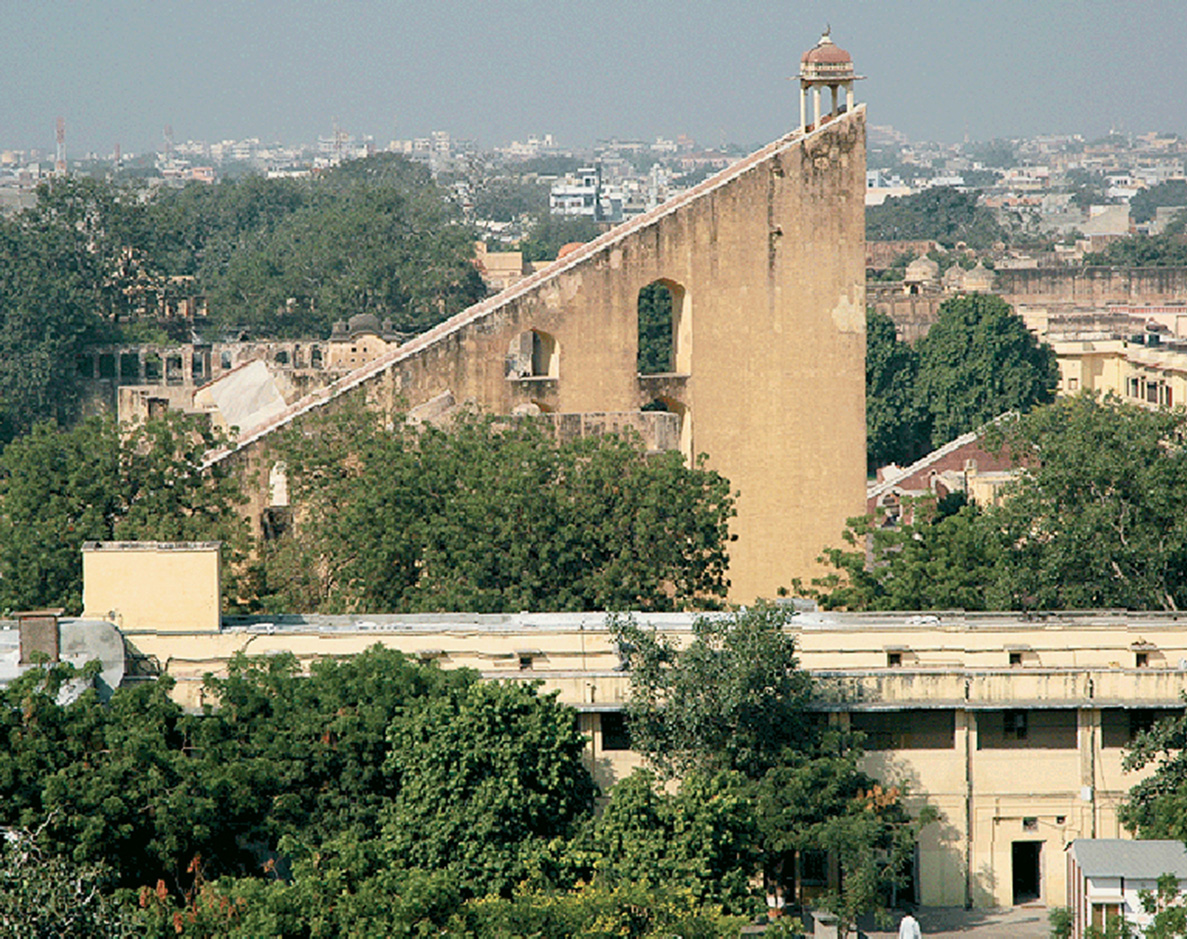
(1165, 250)
(731, 699)
(938, 214)
(494, 515)
(549, 233)
(935, 561)
(487, 777)
(655, 330)
(1094, 519)
(897, 428)
(60, 488)
(977, 362)
(1157, 805)
(47, 895)
(734, 700)
(702, 839)
(1172, 192)
(1098, 517)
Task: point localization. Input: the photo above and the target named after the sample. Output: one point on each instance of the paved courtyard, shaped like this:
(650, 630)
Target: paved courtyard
(1020, 922)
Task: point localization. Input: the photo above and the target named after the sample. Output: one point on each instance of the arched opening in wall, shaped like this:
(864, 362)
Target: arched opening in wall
(282, 357)
(533, 354)
(278, 484)
(683, 415)
(315, 357)
(664, 330)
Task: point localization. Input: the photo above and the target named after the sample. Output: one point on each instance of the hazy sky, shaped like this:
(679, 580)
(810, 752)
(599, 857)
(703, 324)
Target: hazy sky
(120, 70)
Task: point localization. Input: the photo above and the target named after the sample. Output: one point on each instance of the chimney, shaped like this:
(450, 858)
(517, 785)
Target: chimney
(39, 633)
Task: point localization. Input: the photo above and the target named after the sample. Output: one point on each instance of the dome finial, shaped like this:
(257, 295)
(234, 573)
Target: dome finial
(828, 29)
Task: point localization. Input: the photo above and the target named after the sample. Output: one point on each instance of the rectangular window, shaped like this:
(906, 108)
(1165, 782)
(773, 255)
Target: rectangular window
(1119, 727)
(1048, 729)
(1141, 659)
(1015, 658)
(615, 733)
(906, 730)
(894, 659)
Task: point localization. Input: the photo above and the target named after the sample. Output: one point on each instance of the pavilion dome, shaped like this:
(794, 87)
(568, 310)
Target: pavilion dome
(826, 52)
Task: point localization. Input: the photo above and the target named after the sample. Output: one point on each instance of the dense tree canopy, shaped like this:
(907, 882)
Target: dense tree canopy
(897, 429)
(978, 361)
(96, 482)
(493, 515)
(549, 233)
(1143, 205)
(729, 710)
(1094, 519)
(1166, 250)
(938, 214)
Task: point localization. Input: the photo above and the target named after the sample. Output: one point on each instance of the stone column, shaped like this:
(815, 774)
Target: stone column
(816, 105)
(803, 106)
(848, 96)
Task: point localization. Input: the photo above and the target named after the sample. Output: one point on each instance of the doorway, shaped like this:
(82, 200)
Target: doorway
(1027, 858)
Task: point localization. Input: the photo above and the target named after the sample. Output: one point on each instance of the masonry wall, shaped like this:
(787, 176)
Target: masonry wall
(767, 264)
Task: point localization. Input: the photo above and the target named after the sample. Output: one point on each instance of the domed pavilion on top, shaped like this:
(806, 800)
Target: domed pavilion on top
(825, 65)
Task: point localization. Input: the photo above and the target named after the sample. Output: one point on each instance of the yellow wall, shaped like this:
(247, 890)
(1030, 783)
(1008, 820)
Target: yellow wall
(165, 588)
(770, 382)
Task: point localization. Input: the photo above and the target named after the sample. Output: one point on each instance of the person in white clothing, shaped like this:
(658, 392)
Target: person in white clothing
(909, 928)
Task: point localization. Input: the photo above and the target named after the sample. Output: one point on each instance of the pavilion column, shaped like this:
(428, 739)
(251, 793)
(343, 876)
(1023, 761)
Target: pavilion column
(803, 107)
(816, 105)
(848, 96)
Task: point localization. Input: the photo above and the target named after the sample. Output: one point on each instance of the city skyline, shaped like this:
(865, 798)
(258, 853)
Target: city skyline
(122, 71)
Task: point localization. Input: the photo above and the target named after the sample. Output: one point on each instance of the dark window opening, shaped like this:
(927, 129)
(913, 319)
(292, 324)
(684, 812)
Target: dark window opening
(1141, 659)
(905, 730)
(173, 370)
(152, 368)
(275, 522)
(1030, 823)
(1015, 658)
(224, 361)
(84, 366)
(129, 368)
(894, 659)
(107, 365)
(315, 357)
(282, 357)
(814, 868)
(525, 662)
(1120, 727)
(615, 733)
(1046, 729)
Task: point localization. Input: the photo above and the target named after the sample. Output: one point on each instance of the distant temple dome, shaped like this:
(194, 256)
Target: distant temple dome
(922, 271)
(978, 280)
(361, 324)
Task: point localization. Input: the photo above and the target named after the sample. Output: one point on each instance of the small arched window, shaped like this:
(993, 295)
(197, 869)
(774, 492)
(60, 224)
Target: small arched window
(533, 354)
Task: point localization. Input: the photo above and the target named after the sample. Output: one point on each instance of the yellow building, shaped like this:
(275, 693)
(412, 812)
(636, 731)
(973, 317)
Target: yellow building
(1011, 725)
(1152, 375)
